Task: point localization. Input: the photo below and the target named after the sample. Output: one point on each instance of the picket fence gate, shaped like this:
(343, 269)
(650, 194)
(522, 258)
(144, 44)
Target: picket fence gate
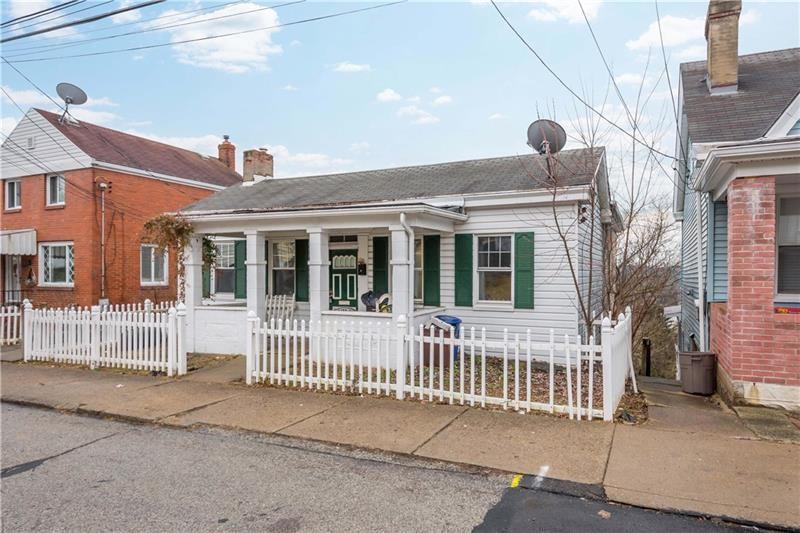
(555, 375)
(10, 325)
(137, 339)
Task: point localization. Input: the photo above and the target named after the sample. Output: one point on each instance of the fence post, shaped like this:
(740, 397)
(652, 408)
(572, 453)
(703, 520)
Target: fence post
(171, 340)
(251, 351)
(400, 353)
(94, 338)
(629, 347)
(606, 351)
(180, 333)
(27, 329)
(148, 305)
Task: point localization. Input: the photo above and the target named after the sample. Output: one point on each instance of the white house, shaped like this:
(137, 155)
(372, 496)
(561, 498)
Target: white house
(474, 239)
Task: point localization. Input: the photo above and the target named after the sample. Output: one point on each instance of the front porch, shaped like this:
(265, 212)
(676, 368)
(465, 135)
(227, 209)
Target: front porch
(325, 259)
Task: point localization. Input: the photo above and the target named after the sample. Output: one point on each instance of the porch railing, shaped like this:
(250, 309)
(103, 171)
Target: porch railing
(520, 372)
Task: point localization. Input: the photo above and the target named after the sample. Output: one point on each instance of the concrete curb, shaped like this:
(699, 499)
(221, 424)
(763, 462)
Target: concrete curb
(543, 483)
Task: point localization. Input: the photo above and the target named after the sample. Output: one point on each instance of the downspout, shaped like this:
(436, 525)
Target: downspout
(410, 234)
(701, 304)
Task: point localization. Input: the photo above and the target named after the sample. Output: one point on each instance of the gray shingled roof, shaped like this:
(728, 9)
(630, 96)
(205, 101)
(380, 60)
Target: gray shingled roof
(514, 173)
(768, 82)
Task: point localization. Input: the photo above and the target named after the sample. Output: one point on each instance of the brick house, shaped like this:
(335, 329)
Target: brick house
(737, 196)
(56, 176)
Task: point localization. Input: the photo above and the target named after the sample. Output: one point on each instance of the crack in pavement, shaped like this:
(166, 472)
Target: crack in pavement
(36, 463)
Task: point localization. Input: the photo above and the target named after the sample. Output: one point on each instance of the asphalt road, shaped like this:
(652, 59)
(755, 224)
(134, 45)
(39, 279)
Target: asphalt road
(72, 473)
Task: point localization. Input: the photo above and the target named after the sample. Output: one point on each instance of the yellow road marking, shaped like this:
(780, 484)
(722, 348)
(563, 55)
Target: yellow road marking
(515, 481)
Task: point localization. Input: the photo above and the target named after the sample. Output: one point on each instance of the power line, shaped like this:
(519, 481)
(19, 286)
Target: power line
(572, 91)
(81, 10)
(156, 28)
(210, 37)
(82, 21)
(143, 21)
(41, 12)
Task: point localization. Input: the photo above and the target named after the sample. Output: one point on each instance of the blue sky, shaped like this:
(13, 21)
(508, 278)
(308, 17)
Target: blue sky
(406, 84)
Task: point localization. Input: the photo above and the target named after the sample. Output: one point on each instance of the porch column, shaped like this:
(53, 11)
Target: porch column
(400, 263)
(193, 285)
(318, 261)
(256, 273)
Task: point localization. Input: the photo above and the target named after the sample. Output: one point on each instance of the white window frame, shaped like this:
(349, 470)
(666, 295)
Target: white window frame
(273, 261)
(152, 282)
(421, 268)
(63, 199)
(782, 297)
(490, 304)
(70, 264)
(17, 195)
(213, 277)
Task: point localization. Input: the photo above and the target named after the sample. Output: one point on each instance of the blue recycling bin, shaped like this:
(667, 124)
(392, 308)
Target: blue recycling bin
(455, 323)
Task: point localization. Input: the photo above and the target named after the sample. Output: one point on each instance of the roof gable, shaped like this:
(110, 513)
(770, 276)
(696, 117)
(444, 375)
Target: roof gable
(118, 148)
(460, 178)
(768, 83)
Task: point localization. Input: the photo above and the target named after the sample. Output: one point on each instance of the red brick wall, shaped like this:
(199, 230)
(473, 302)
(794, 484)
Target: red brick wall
(130, 203)
(752, 341)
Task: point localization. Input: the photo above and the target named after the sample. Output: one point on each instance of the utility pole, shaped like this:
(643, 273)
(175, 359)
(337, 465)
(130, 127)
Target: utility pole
(104, 187)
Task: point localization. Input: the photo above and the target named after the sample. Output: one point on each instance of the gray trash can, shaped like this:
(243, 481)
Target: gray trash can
(698, 372)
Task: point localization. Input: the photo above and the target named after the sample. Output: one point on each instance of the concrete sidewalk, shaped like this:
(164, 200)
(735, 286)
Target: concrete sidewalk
(691, 456)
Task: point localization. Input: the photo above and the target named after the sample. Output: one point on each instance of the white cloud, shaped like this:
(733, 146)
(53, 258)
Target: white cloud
(628, 78)
(414, 99)
(569, 10)
(361, 147)
(235, 54)
(435, 90)
(417, 115)
(496, 116)
(26, 98)
(694, 52)
(443, 100)
(290, 88)
(388, 95)
(295, 42)
(92, 115)
(346, 66)
(21, 8)
(203, 144)
(675, 31)
(749, 16)
(288, 163)
(128, 16)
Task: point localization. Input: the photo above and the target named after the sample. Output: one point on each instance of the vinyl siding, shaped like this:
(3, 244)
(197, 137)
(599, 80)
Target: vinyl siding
(590, 242)
(52, 152)
(689, 234)
(718, 253)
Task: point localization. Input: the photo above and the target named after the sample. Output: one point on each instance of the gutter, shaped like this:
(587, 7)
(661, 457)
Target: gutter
(410, 234)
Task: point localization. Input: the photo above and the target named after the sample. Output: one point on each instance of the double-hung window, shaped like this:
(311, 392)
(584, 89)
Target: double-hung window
(224, 269)
(153, 265)
(494, 268)
(56, 264)
(13, 194)
(788, 240)
(283, 267)
(419, 278)
(56, 189)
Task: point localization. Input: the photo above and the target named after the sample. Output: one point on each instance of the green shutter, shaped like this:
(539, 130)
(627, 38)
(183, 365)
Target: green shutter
(240, 278)
(430, 274)
(301, 270)
(464, 269)
(206, 281)
(380, 264)
(523, 270)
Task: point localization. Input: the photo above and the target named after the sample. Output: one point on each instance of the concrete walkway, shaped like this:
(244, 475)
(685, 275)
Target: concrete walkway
(691, 455)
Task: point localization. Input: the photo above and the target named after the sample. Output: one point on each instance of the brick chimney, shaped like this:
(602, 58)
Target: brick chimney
(722, 36)
(257, 165)
(227, 153)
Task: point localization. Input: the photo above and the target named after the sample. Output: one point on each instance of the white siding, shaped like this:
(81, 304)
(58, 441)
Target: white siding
(590, 241)
(51, 152)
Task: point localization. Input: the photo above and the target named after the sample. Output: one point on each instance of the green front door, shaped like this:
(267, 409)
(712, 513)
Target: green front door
(344, 279)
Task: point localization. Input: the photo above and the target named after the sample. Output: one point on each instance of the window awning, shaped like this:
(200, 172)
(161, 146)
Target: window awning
(18, 242)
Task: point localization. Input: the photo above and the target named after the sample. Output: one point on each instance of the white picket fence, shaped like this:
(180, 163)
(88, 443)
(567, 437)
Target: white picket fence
(10, 325)
(518, 372)
(147, 305)
(137, 339)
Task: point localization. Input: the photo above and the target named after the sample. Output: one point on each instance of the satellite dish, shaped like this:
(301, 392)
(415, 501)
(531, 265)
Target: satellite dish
(71, 94)
(546, 136)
